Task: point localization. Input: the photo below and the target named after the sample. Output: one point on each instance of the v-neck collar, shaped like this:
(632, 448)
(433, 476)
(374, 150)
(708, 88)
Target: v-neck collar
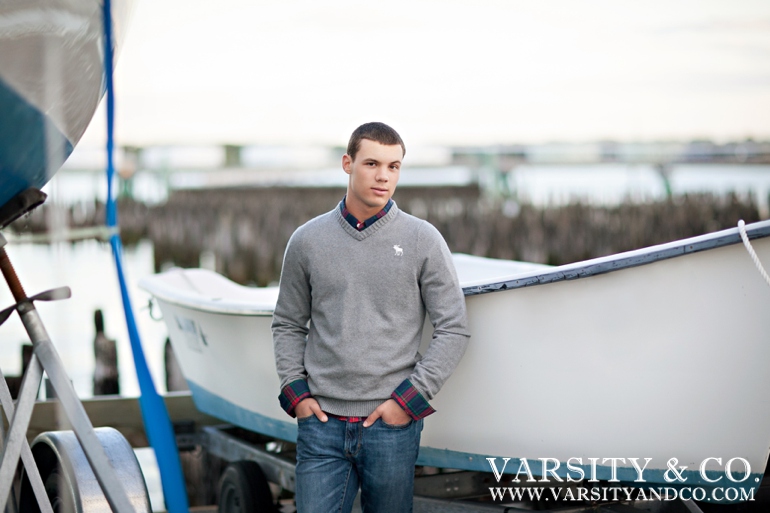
(371, 229)
(363, 225)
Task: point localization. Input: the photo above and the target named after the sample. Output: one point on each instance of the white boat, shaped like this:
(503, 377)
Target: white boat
(657, 353)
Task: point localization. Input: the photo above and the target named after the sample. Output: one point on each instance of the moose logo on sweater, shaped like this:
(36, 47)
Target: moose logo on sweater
(399, 250)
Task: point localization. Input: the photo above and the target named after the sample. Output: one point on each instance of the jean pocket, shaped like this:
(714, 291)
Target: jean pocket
(303, 420)
(396, 426)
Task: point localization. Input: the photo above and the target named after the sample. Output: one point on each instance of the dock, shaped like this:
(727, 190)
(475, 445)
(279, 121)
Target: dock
(121, 413)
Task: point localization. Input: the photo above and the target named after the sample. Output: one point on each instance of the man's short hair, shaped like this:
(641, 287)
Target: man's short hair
(374, 131)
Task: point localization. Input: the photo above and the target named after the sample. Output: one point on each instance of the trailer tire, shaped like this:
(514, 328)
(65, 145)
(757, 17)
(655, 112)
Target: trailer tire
(70, 483)
(243, 488)
(59, 493)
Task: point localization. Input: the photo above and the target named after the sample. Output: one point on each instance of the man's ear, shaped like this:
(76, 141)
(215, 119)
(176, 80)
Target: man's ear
(347, 162)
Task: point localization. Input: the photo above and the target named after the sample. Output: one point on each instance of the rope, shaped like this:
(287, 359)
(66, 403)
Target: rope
(752, 253)
(157, 423)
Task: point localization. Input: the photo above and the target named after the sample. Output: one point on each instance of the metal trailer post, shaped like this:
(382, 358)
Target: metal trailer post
(46, 358)
(26, 453)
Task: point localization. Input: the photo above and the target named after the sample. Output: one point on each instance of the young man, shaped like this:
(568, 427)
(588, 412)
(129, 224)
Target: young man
(355, 287)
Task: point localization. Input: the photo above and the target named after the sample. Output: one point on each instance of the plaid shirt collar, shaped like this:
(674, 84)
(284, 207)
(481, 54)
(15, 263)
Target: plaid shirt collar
(361, 226)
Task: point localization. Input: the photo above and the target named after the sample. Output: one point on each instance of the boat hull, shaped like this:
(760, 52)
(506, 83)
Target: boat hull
(663, 359)
(666, 360)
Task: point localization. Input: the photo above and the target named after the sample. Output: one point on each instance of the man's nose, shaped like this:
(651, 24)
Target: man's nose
(382, 174)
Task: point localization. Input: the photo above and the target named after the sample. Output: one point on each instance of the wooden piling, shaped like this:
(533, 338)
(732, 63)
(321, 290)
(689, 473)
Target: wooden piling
(175, 381)
(247, 229)
(106, 379)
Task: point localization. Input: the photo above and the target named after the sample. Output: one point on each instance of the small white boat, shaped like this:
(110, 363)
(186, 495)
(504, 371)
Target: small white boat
(657, 353)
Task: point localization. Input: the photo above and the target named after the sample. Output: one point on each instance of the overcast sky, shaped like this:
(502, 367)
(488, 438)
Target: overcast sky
(442, 71)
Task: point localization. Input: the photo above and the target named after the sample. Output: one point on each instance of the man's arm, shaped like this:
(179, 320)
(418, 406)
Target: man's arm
(445, 305)
(290, 319)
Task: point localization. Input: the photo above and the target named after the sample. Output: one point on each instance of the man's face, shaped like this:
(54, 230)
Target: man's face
(373, 176)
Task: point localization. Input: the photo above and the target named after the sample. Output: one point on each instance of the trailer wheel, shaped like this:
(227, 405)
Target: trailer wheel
(59, 493)
(243, 488)
(69, 481)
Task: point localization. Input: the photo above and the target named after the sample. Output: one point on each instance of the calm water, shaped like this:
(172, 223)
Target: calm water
(88, 269)
(611, 184)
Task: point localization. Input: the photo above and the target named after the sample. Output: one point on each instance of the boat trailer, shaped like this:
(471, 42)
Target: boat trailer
(66, 471)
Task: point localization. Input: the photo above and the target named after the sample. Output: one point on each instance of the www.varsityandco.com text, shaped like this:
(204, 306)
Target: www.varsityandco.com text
(577, 480)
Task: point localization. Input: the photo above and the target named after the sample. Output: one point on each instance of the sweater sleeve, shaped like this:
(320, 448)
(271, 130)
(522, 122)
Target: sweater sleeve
(290, 324)
(445, 305)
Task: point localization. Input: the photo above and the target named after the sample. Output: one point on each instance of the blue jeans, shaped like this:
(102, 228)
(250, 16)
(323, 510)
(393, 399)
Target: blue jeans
(335, 458)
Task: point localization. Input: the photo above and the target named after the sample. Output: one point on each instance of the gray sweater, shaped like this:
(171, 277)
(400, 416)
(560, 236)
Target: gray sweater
(352, 305)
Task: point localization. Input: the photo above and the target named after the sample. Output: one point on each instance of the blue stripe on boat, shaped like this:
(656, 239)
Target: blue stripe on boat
(32, 148)
(220, 408)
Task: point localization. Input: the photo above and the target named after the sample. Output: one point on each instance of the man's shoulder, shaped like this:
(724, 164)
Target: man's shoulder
(421, 227)
(314, 226)
(411, 222)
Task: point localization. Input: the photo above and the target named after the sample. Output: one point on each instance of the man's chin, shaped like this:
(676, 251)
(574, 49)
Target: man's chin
(378, 203)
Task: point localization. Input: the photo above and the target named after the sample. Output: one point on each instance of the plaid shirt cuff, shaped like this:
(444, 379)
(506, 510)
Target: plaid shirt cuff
(412, 401)
(292, 394)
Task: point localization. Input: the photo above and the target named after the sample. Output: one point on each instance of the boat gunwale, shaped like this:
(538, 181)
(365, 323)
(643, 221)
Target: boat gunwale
(206, 309)
(159, 290)
(625, 260)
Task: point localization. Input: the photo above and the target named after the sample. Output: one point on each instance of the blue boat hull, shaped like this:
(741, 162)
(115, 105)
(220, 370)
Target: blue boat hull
(32, 148)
